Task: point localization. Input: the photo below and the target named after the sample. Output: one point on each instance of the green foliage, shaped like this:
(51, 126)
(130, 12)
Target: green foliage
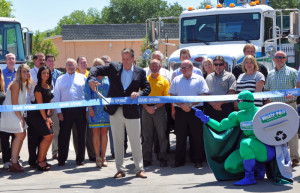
(283, 4)
(5, 8)
(42, 44)
(137, 11)
(140, 61)
(204, 3)
(92, 16)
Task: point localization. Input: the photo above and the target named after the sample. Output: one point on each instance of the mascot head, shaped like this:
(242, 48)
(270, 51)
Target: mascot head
(245, 100)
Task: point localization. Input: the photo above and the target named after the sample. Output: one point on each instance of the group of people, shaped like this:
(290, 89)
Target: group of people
(45, 84)
(145, 125)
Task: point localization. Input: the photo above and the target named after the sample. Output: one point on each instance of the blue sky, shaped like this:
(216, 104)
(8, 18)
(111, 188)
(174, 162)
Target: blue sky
(42, 15)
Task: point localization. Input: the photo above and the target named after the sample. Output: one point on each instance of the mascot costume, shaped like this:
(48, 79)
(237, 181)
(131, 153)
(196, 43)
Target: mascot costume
(250, 154)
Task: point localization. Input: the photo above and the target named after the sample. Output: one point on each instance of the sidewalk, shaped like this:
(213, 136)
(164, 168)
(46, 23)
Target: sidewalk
(88, 178)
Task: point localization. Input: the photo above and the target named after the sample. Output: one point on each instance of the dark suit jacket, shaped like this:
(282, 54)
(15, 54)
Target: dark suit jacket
(139, 84)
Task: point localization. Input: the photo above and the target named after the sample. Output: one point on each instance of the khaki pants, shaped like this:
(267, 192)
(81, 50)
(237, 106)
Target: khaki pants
(294, 142)
(133, 128)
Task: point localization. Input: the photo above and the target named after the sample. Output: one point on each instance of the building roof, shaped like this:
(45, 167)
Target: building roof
(112, 31)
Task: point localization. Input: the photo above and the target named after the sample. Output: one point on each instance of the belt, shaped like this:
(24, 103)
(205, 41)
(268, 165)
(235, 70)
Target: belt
(289, 102)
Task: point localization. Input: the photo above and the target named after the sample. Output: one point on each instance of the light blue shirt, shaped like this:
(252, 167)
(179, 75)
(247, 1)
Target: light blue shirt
(126, 77)
(178, 72)
(55, 74)
(69, 87)
(194, 86)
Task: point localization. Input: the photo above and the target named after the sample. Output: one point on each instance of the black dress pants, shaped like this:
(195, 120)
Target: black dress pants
(77, 116)
(6, 145)
(187, 123)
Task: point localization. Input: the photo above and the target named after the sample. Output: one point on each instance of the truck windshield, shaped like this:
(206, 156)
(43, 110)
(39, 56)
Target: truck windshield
(11, 41)
(226, 27)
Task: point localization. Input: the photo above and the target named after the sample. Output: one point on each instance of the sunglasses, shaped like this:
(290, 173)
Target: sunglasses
(218, 64)
(280, 57)
(187, 67)
(243, 100)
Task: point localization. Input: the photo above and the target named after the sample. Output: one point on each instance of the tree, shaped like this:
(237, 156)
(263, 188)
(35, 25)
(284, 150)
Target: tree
(204, 3)
(5, 8)
(137, 11)
(41, 43)
(283, 4)
(93, 16)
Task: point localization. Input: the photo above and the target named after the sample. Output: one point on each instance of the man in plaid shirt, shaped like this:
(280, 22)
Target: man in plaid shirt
(284, 77)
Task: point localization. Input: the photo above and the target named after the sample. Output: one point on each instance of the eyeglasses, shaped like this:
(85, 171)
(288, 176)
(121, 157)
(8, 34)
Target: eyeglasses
(218, 64)
(243, 100)
(187, 67)
(280, 57)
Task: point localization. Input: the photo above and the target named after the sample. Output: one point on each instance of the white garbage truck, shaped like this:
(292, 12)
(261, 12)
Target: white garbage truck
(13, 40)
(226, 28)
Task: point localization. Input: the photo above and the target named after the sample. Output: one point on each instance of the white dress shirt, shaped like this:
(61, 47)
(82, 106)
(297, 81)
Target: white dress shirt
(33, 72)
(69, 87)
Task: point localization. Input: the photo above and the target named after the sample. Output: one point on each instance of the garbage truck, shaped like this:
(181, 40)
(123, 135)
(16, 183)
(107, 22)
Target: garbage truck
(14, 40)
(226, 28)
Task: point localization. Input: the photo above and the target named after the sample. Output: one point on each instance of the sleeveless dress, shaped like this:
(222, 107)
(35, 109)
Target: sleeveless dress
(10, 123)
(101, 118)
(34, 118)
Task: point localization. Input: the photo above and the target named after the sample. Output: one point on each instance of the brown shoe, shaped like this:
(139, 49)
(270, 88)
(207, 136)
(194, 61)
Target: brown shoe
(15, 167)
(119, 174)
(295, 163)
(141, 174)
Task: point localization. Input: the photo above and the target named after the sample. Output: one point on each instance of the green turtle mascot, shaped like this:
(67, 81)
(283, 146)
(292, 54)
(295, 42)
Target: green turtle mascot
(252, 154)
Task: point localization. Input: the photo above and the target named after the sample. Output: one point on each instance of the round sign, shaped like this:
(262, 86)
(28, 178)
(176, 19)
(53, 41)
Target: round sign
(275, 123)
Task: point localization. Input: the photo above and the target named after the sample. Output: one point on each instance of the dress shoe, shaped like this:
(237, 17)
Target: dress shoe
(141, 174)
(80, 163)
(176, 165)
(119, 174)
(33, 165)
(147, 163)
(163, 163)
(198, 165)
(113, 156)
(295, 163)
(61, 163)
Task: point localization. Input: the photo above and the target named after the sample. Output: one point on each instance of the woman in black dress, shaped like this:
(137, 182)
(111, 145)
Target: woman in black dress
(40, 120)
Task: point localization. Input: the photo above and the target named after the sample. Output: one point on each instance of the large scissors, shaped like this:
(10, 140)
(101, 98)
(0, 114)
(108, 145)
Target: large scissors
(100, 95)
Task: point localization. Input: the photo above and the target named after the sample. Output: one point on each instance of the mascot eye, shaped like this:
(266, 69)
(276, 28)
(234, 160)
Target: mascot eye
(243, 100)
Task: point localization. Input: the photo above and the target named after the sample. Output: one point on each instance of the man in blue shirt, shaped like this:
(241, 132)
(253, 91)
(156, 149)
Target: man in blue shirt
(9, 74)
(10, 71)
(50, 63)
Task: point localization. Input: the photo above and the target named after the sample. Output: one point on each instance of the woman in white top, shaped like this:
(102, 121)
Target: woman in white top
(13, 122)
(252, 79)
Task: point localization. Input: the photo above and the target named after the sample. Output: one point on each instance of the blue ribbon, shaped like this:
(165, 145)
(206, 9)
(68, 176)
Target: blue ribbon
(144, 100)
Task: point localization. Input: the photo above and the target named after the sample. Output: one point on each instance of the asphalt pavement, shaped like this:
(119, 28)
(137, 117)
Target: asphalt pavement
(88, 178)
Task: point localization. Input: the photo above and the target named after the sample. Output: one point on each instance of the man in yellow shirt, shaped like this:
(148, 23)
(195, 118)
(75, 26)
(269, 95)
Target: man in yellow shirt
(154, 116)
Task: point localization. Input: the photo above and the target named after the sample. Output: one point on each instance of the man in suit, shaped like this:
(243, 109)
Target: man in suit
(126, 80)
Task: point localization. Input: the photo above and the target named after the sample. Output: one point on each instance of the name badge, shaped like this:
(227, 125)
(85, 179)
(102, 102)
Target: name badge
(246, 125)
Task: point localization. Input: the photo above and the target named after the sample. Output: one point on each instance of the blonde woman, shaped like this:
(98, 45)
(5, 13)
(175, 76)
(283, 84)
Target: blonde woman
(207, 67)
(13, 122)
(98, 119)
(251, 79)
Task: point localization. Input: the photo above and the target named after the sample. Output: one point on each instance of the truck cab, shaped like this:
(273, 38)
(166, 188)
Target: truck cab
(225, 29)
(11, 41)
